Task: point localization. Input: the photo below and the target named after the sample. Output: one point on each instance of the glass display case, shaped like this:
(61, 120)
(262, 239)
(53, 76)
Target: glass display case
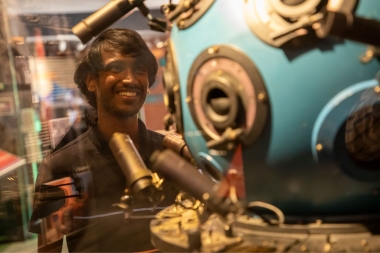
(189, 126)
(41, 106)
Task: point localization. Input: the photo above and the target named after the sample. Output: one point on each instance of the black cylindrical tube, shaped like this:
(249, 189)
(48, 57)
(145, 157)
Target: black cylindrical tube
(177, 144)
(139, 179)
(103, 18)
(173, 167)
(364, 30)
(144, 10)
(350, 27)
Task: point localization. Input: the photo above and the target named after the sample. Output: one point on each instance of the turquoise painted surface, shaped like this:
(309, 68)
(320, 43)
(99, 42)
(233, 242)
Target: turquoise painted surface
(279, 167)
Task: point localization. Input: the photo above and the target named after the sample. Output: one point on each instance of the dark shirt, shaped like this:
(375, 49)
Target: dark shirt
(89, 161)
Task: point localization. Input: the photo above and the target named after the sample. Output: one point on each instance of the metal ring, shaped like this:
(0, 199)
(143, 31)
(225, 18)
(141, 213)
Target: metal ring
(287, 11)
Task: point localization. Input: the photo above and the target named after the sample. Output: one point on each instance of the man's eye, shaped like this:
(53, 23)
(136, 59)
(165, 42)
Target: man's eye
(141, 70)
(116, 68)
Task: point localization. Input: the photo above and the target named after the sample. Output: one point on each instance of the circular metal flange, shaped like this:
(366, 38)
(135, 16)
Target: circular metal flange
(294, 11)
(172, 97)
(219, 100)
(210, 167)
(228, 63)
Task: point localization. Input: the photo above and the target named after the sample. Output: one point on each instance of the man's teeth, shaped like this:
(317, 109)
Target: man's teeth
(128, 94)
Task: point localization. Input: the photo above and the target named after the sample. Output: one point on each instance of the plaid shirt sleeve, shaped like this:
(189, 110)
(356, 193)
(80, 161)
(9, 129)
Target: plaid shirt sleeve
(363, 129)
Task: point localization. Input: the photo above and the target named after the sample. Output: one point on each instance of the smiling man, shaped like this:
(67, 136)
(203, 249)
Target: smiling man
(114, 76)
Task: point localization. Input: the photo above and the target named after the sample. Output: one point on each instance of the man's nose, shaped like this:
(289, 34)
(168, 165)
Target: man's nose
(128, 76)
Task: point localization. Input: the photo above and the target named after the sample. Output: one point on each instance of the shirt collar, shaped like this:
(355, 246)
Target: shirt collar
(101, 142)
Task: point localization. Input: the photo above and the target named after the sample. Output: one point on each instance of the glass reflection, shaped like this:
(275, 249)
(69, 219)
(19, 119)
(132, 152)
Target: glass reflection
(42, 110)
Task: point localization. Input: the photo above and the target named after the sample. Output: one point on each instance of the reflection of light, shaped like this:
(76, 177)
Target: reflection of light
(80, 47)
(62, 46)
(68, 96)
(43, 81)
(235, 10)
(160, 44)
(334, 5)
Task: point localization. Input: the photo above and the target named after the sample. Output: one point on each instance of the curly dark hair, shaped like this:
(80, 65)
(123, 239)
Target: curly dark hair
(122, 41)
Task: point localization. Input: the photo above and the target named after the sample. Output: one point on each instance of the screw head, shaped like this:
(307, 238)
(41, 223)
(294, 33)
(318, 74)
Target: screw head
(261, 97)
(186, 4)
(213, 50)
(327, 247)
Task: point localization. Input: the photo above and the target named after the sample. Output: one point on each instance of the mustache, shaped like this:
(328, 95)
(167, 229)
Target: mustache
(129, 86)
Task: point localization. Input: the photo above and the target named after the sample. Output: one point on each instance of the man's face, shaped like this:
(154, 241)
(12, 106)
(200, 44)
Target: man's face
(122, 85)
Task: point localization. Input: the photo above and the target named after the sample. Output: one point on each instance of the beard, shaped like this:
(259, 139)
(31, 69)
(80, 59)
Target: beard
(110, 106)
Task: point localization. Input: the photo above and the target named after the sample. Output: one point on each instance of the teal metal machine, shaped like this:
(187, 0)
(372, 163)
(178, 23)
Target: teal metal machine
(262, 93)
(260, 70)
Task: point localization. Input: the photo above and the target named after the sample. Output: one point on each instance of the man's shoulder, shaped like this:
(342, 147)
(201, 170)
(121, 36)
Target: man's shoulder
(74, 151)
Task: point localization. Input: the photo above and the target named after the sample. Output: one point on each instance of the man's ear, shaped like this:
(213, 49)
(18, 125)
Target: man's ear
(91, 83)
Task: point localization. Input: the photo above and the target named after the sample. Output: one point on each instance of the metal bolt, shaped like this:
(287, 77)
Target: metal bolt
(188, 99)
(166, 10)
(319, 147)
(230, 146)
(316, 26)
(181, 24)
(206, 196)
(176, 88)
(213, 50)
(377, 89)
(186, 4)
(261, 96)
(303, 248)
(363, 242)
(369, 53)
(327, 247)
(232, 171)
